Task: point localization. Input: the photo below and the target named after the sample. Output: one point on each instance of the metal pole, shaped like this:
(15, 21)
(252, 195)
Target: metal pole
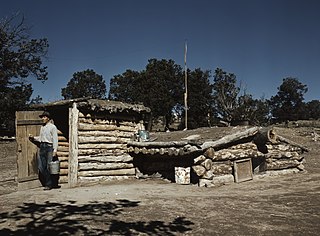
(186, 86)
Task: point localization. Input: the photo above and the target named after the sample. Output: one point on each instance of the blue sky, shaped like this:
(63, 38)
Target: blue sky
(260, 41)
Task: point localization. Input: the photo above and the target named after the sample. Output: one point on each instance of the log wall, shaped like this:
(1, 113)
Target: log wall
(63, 155)
(217, 167)
(102, 148)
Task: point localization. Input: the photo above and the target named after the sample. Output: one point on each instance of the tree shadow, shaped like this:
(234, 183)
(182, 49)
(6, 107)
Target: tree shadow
(178, 225)
(94, 218)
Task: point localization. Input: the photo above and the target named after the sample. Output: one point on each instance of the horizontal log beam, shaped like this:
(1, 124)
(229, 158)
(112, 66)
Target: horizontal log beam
(283, 139)
(231, 138)
(283, 164)
(62, 139)
(113, 133)
(63, 165)
(100, 127)
(123, 158)
(279, 172)
(104, 166)
(97, 152)
(102, 146)
(283, 147)
(274, 154)
(63, 172)
(131, 171)
(85, 179)
(109, 117)
(157, 144)
(63, 143)
(234, 154)
(62, 154)
(63, 149)
(101, 139)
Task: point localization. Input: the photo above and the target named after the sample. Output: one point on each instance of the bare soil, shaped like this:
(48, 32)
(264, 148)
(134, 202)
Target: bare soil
(279, 205)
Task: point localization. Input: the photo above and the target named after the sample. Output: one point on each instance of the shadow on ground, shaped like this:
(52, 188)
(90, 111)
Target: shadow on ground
(94, 218)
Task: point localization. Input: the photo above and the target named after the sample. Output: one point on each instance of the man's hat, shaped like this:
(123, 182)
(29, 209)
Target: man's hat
(45, 113)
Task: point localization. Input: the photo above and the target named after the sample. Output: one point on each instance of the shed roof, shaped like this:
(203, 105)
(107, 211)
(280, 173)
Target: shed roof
(217, 138)
(96, 105)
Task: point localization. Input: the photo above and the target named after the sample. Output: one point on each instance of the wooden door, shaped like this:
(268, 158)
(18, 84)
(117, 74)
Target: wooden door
(27, 122)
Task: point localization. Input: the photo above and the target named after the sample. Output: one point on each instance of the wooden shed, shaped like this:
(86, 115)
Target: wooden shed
(93, 136)
(234, 157)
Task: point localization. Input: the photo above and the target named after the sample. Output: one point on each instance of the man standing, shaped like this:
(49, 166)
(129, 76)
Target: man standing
(48, 141)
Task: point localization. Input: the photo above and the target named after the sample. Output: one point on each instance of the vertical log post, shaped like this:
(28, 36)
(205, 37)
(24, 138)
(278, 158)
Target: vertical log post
(73, 146)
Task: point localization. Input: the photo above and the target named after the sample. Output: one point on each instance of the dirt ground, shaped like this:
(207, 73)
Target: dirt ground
(279, 205)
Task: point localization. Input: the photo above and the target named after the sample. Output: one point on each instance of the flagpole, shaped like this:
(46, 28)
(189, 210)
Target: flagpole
(186, 86)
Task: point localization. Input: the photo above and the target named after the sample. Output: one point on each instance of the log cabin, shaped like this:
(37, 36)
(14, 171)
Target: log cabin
(92, 139)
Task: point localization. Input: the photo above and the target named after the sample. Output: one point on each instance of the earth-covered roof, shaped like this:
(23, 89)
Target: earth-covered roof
(98, 105)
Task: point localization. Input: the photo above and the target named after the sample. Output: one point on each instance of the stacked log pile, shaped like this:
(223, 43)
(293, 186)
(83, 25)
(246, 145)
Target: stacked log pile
(102, 145)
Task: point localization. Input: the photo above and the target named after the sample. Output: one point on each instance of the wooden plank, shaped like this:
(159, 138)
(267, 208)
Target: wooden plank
(29, 122)
(21, 154)
(243, 170)
(32, 150)
(28, 178)
(29, 185)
